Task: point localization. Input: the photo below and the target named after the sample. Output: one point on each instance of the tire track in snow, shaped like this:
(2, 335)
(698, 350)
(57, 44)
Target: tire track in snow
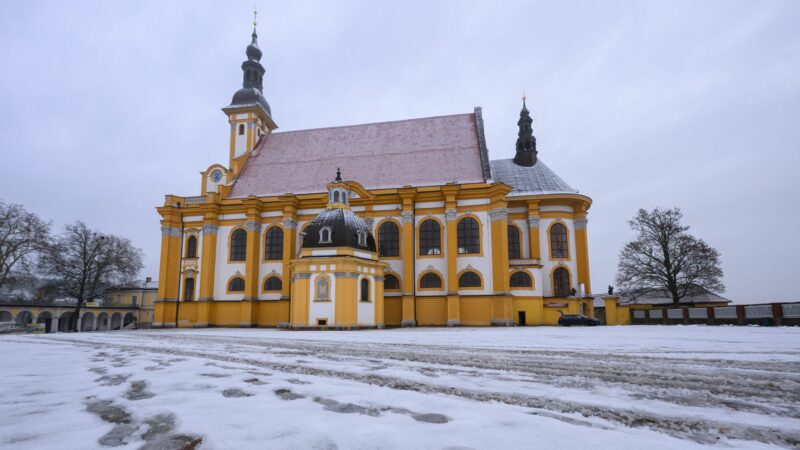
(696, 429)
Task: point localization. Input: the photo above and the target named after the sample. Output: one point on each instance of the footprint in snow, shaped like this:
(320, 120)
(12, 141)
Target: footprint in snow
(112, 380)
(138, 391)
(287, 394)
(235, 393)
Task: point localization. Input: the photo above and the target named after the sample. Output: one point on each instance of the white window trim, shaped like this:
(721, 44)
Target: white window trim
(322, 239)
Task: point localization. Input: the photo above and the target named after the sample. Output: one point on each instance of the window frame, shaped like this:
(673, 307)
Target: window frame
(191, 250)
(364, 294)
(396, 278)
(427, 274)
(395, 245)
(470, 272)
(530, 287)
(270, 248)
(463, 235)
(437, 238)
(558, 244)
(228, 286)
(267, 279)
(518, 246)
(232, 243)
(329, 239)
(555, 285)
(186, 289)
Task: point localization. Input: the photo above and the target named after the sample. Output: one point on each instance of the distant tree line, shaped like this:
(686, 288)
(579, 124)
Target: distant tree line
(79, 263)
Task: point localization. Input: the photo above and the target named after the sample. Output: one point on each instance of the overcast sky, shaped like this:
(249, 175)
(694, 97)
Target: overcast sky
(107, 106)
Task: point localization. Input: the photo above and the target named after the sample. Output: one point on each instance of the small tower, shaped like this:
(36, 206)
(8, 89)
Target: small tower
(249, 114)
(526, 142)
(337, 280)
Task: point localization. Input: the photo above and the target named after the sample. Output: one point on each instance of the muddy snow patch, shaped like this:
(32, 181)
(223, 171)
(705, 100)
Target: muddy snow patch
(138, 391)
(235, 393)
(108, 411)
(112, 380)
(287, 394)
(174, 442)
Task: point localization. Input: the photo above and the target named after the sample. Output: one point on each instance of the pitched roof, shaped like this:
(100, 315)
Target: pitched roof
(664, 298)
(418, 152)
(538, 179)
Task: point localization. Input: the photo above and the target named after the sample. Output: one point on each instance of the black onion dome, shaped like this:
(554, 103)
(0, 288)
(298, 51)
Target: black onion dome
(253, 52)
(345, 224)
(248, 96)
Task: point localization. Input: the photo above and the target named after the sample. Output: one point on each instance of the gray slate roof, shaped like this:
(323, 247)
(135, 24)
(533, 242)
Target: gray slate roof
(538, 179)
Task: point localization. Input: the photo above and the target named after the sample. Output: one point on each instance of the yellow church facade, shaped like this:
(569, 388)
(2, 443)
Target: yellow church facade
(420, 228)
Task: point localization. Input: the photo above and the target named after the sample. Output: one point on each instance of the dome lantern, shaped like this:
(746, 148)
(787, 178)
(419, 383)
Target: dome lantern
(338, 225)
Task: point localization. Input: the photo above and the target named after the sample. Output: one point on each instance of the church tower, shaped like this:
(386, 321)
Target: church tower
(526, 142)
(249, 114)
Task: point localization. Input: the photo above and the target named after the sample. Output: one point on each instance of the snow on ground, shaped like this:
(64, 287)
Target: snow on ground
(536, 387)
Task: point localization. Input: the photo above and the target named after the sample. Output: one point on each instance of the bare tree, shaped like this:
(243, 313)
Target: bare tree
(21, 235)
(665, 258)
(84, 262)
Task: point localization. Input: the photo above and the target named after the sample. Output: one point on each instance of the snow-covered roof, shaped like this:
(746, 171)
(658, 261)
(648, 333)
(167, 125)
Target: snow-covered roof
(537, 179)
(418, 152)
(663, 298)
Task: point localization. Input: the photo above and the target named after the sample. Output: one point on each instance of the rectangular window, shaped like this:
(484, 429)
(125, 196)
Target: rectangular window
(134, 300)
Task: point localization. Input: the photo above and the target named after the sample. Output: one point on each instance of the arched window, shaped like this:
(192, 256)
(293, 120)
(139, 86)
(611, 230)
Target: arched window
(469, 239)
(325, 235)
(561, 282)
(469, 280)
(362, 237)
(335, 196)
(191, 247)
(521, 279)
(322, 291)
(390, 282)
(239, 245)
(389, 239)
(364, 290)
(188, 290)
(273, 284)
(241, 129)
(273, 244)
(236, 285)
(514, 251)
(430, 281)
(430, 238)
(559, 244)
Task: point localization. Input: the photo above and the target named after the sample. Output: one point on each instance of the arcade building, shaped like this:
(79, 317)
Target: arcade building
(403, 223)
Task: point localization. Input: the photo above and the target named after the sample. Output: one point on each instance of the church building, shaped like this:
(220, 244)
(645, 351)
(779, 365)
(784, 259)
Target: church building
(403, 223)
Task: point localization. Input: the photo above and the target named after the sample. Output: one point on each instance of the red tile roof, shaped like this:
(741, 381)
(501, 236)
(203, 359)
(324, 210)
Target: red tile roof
(417, 152)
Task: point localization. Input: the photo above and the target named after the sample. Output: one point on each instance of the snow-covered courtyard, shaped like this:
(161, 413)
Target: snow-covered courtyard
(506, 388)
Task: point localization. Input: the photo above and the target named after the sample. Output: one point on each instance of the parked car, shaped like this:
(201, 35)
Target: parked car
(577, 319)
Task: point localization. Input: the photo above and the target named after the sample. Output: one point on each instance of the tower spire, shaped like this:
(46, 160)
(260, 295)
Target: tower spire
(526, 142)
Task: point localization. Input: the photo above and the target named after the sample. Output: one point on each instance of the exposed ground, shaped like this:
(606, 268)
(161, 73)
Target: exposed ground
(621, 387)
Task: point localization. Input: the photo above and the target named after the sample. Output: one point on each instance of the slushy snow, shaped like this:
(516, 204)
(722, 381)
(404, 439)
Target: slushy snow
(654, 387)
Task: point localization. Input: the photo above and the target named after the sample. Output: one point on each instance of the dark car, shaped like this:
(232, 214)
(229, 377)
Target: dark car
(577, 319)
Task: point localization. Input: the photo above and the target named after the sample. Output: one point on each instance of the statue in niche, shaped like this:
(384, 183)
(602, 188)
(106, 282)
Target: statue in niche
(322, 288)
